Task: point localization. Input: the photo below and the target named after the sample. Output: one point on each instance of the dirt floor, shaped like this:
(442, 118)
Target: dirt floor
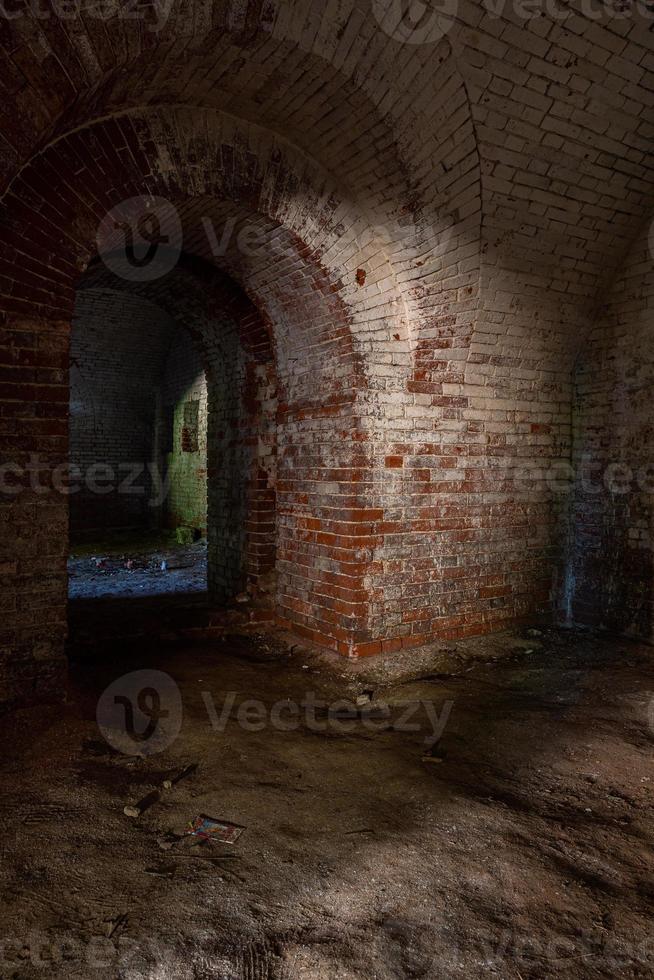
(136, 565)
(519, 845)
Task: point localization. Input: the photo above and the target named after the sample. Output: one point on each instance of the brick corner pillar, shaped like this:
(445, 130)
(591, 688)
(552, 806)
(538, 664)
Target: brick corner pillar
(33, 508)
(328, 531)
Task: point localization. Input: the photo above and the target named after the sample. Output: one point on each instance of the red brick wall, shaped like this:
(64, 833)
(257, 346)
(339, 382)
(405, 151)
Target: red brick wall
(370, 555)
(322, 481)
(439, 219)
(34, 518)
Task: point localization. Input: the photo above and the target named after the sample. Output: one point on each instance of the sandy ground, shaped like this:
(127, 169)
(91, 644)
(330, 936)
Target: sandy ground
(523, 849)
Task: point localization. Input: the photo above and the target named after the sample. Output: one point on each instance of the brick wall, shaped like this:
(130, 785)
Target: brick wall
(132, 372)
(118, 355)
(611, 568)
(184, 381)
(438, 220)
(34, 519)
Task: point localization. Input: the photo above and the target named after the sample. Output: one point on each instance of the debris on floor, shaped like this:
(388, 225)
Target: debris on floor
(113, 926)
(183, 774)
(209, 829)
(126, 565)
(366, 861)
(165, 871)
(186, 535)
(136, 809)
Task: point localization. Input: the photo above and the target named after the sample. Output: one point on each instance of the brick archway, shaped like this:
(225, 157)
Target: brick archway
(327, 519)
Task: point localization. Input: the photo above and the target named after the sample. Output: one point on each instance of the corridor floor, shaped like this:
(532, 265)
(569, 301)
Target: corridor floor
(517, 846)
(136, 565)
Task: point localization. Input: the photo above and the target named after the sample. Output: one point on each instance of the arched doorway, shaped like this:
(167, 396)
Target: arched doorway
(202, 418)
(266, 219)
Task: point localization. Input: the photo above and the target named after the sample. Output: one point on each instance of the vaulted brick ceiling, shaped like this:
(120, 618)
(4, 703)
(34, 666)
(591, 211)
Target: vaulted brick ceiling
(553, 115)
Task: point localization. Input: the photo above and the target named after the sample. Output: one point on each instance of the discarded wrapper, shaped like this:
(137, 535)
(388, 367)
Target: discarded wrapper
(208, 829)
